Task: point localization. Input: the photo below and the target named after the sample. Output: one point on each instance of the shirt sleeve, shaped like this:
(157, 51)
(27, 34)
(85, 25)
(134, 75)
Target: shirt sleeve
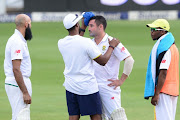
(121, 52)
(93, 50)
(16, 51)
(166, 60)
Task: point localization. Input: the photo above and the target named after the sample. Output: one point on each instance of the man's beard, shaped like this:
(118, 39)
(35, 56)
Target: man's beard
(91, 34)
(28, 33)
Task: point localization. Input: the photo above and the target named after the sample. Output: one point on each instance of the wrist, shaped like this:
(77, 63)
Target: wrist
(156, 94)
(81, 29)
(111, 46)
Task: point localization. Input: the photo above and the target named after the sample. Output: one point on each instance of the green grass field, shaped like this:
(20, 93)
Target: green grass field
(48, 99)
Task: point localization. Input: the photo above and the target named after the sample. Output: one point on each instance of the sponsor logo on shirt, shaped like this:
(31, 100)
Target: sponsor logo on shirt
(163, 61)
(18, 51)
(122, 49)
(112, 98)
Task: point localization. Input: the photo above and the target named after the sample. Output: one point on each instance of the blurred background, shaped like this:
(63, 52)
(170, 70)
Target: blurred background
(126, 20)
(54, 10)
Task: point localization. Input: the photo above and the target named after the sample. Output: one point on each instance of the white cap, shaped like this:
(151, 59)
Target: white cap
(70, 20)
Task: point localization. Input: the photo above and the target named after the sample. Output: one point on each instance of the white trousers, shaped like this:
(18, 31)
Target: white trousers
(15, 95)
(166, 108)
(111, 99)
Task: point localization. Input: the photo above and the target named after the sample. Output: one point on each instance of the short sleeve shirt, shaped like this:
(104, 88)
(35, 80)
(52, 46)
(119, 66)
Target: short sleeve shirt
(16, 48)
(166, 60)
(78, 53)
(111, 69)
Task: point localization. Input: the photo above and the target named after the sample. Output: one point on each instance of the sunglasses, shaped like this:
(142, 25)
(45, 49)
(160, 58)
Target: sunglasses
(76, 17)
(155, 29)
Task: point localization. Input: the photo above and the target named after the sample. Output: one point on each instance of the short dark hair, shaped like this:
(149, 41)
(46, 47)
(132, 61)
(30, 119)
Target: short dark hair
(99, 20)
(72, 28)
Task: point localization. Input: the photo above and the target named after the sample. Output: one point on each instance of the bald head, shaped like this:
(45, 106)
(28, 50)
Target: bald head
(22, 20)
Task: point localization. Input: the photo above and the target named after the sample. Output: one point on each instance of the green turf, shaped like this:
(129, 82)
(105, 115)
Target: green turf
(48, 99)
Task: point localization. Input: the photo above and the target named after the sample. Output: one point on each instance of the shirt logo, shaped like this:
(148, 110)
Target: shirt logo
(17, 51)
(163, 61)
(122, 49)
(104, 48)
(112, 98)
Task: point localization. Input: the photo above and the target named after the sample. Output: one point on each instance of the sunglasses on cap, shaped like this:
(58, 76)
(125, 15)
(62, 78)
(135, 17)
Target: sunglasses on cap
(76, 17)
(156, 29)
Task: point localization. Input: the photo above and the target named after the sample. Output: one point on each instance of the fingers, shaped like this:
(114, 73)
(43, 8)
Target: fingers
(154, 102)
(110, 85)
(111, 80)
(114, 42)
(115, 87)
(113, 83)
(27, 101)
(27, 98)
(108, 40)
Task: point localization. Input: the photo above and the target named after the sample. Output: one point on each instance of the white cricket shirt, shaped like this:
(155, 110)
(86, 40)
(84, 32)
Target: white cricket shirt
(16, 48)
(165, 63)
(78, 53)
(111, 69)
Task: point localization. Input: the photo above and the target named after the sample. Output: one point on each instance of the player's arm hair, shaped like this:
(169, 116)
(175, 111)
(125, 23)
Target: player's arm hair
(19, 79)
(128, 65)
(82, 28)
(103, 59)
(161, 80)
(18, 75)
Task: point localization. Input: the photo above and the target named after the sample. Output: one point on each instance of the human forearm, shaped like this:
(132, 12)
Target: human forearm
(19, 80)
(123, 78)
(106, 56)
(103, 59)
(161, 80)
(82, 28)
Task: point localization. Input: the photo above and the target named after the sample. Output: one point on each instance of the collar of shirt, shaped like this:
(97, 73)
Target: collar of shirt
(104, 38)
(22, 37)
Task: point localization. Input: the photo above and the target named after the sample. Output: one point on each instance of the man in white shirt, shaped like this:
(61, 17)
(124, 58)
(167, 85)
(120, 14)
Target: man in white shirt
(80, 83)
(107, 76)
(17, 67)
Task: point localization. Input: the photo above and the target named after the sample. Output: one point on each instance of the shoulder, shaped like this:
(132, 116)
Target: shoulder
(60, 41)
(84, 38)
(15, 40)
(110, 37)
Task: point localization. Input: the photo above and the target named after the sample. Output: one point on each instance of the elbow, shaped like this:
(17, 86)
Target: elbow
(16, 70)
(103, 64)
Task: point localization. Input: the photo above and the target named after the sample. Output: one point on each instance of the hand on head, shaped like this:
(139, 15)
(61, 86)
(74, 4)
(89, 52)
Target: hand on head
(87, 16)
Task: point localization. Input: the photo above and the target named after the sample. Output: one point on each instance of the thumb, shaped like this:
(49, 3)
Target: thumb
(108, 40)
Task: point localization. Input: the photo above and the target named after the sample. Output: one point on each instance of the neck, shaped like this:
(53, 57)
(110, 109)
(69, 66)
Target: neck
(99, 37)
(22, 31)
(73, 32)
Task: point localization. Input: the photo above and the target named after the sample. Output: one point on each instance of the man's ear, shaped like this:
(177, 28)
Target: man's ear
(77, 24)
(163, 32)
(101, 26)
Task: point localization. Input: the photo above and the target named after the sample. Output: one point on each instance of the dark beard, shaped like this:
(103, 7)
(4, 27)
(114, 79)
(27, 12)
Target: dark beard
(28, 34)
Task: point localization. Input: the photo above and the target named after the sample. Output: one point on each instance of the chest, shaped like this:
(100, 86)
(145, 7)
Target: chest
(103, 47)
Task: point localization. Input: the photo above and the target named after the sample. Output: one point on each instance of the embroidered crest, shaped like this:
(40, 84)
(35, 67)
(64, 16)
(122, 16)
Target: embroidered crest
(104, 48)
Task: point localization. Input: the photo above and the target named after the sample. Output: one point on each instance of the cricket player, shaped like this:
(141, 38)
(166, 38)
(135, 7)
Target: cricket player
(82, 93)
(162, 77)
(107, 76)
(17, 67)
